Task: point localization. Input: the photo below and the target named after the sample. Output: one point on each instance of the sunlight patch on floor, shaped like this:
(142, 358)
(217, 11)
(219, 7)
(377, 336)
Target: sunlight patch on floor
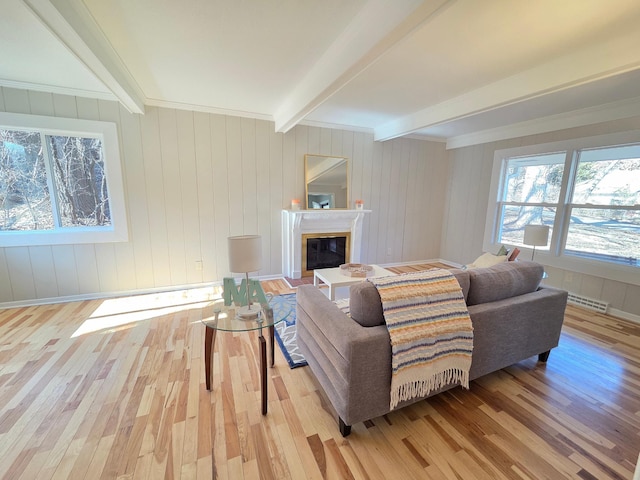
(118, 312)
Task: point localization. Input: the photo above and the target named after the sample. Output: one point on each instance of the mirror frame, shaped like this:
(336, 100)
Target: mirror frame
(309, 157)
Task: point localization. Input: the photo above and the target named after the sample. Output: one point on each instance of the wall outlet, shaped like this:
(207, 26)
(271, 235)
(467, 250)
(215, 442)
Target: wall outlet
(389, 251)
(198, 265)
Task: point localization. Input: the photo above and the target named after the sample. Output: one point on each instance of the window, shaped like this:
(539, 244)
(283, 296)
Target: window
(604, 213)
(60, 182)
(588, 195)
(531, 194)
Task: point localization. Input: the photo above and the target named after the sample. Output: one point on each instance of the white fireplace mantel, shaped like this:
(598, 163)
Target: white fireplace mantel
(295, 223)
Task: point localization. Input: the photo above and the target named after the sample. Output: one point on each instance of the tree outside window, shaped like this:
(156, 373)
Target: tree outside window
(32, 165)
(604, 219)
(532, 188)
(60, 181)
(591, 197)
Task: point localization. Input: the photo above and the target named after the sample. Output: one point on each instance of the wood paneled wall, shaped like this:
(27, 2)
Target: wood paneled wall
(469, 180)
(192, 179)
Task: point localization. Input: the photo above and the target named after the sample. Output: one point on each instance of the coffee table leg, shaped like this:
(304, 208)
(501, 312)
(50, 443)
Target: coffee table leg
(263, 372)
(209, 343)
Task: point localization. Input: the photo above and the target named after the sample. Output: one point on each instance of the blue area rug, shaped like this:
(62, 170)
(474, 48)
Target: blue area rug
(284, 306)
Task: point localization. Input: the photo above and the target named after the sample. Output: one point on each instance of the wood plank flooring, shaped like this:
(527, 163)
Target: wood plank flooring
(115, 389)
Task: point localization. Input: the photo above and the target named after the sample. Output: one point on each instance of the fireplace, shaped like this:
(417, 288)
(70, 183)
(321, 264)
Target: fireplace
(319, 223)
(324, 251)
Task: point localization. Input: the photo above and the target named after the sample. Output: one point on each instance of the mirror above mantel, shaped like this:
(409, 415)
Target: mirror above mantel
(326, 181)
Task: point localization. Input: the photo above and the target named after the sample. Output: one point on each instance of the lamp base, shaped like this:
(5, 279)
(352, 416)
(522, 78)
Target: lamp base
(248, 312)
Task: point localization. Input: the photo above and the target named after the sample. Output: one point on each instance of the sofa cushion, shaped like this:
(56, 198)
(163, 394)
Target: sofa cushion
(502, 281)
(366, 307)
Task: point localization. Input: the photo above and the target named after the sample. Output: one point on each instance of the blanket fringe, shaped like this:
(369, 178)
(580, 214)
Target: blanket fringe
(422, 388)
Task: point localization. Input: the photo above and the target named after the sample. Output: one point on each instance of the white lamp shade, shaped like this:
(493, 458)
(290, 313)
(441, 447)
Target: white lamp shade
(536, 235)
(245, 253)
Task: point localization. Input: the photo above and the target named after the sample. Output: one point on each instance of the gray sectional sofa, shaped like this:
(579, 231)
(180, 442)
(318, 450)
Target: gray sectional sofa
(513, 319)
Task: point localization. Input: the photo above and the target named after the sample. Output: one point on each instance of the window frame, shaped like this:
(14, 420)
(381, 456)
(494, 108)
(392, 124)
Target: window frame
(503, 203)
(555, 255)
(107, 132)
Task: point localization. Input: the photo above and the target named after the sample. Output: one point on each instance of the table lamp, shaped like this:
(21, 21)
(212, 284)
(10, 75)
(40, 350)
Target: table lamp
(245, 255)
(536, 235)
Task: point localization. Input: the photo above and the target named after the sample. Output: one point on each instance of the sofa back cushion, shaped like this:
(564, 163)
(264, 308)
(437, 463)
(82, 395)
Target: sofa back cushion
(365, 306)
(502, 281)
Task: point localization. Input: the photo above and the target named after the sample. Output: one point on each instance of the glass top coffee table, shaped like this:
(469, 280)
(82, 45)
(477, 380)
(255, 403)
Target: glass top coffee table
(216, 316)
(334, 278)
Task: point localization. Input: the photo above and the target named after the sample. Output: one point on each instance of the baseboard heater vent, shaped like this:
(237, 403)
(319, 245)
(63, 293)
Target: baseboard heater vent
(586, 302)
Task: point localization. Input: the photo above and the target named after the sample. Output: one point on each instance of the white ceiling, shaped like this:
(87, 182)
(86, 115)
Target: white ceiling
(464, 71)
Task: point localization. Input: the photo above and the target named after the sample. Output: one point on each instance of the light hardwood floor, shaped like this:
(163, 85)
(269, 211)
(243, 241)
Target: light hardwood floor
(115, 389)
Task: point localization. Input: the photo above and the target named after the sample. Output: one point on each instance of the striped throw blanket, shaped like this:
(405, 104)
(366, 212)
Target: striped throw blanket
(430, 329)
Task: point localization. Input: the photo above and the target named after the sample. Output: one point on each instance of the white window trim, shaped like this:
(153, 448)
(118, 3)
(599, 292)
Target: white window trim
(608, 270)
(118, 231)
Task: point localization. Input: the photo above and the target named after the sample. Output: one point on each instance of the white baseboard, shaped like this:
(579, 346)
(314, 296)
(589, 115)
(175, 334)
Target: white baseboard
(123, 293)
(614, 312)
(103, 295)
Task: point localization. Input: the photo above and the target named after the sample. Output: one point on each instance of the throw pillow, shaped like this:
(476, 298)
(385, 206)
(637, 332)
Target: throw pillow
(487, 260)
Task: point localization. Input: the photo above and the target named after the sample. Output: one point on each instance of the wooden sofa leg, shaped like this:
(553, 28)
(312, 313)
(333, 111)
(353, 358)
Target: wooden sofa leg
(542, 357)
(345, 430)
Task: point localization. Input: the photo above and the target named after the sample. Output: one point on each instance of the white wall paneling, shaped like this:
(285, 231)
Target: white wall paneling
(372, 238)
(87, 272)
(136, 198)
(44, 277)
(6, 289)
(66, 270)
(365, 175)
(189, 194)
(220, 187)
(235, 201)
(277, 197)
(65, 106)
(263, 188)
(15, 100)
(21, 276)
(206, 208)
(122, 272)
(155, 201)
(192, 179)
(173, 196)
(41, 103)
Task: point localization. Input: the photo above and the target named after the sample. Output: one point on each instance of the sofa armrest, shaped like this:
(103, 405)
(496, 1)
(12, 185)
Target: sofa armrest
(510, 330)
(340, 330)
(351, 362)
